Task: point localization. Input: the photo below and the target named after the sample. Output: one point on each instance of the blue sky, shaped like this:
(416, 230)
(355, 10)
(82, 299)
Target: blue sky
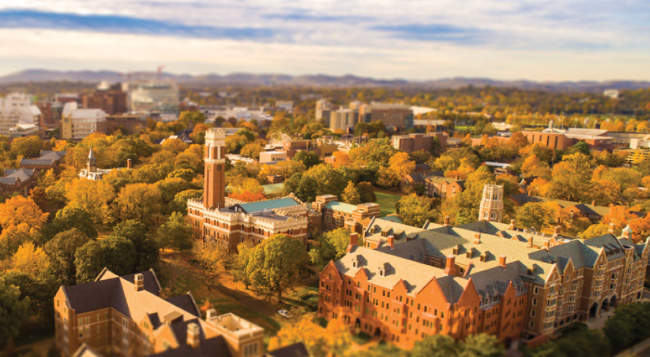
(411, 39)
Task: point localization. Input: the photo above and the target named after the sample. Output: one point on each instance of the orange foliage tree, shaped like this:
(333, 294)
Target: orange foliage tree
(247, 196)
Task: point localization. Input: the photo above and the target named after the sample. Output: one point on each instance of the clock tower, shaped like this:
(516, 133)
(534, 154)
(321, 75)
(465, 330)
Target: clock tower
(214, 187)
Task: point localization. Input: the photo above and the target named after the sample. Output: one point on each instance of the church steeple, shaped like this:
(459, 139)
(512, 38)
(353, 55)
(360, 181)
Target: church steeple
(91, 162)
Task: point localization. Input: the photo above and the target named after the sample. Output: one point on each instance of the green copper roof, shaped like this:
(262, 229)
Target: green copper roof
(270, 204)
(341, 207)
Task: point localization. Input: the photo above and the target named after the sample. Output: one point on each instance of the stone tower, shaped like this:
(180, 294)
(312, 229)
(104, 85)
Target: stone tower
(91, 161)
(491, 208)
(214, 188)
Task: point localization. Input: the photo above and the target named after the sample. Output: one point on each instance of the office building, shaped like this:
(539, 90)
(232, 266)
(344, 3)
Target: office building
(15, 109)
(157, 96)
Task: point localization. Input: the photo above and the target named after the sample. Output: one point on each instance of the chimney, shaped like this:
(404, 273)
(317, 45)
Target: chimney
(530, 242)
(556, 232)
(502, 261)
(593, 203)
(446, 224)
(477, 238)
(354, 238)
(391, 241)
(193, 335)
(211, 314)
(129, 163)
(512, 225)
(450, 267)
(611, 228)
(139, 282)
(546, 244)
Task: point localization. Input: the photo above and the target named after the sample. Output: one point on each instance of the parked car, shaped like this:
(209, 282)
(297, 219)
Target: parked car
(284, 313)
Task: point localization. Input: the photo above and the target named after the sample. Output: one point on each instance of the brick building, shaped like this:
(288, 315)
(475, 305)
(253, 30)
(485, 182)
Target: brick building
(344, 215)
(398, 116)
(132, 123)
(482, 277)
(228, 222)
(555, 139)
(112, 101)
(125, 316)
(417, 142)
(18, 180)
(47, 160)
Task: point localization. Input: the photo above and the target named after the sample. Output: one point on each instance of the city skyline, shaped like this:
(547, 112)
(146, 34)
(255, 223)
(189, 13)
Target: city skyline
(412, 40)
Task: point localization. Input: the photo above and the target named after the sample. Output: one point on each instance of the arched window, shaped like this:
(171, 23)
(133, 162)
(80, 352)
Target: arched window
(485, 215)
(494, 215)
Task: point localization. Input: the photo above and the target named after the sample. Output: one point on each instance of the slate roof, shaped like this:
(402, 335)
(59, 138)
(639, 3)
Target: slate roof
(296, 350)
(269, 204)
(416, 177)
(22, 174)
(392, 218)
(85, 351)
(402, 232)
(212, 347)
(441, 179)
(186, 302)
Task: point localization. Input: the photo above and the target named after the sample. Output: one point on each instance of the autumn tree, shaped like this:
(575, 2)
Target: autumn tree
(535, 215)
(597, 230)
(30, 259)
(326, 179)
(93, 197)
(341, 159)
(399, 166)
(274, 265)
(333, 340)
(251, 150)
(139, 201)
(333, 246)
(13, 237)
(213, 260)
(416, 210)
(19, 209)
(351, 194)
(366, 192)
(29, 146)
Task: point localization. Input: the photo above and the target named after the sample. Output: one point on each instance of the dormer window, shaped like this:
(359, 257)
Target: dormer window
(381, 272)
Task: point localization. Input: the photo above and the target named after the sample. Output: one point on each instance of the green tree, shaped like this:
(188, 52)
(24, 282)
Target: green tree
(240, 263)
(195, 117)
(435, 346)
(328, 179)
(179, 204)
(333, 246)
(308, 158)
(307, 189)
(274, 265)
(366, 192)
(482, 345)
(534, 215)
(175, 233)
(120, 254)
(146, 248)
(351, 194)
(415, 210)
(67, 218)
(13, 311)
(90, 260)
(61, 251)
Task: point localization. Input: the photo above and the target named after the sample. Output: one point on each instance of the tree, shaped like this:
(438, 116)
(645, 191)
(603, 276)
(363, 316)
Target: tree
(146, 248)
(15, 236)
(482, 345)
(175, 233)
(213, 260)
(195, 117)
(535, 215)
(366, 192)
(120, 254)
(333, 246)
(321, 342)
(435, 346)
(29, 146)
(89, 261)
(351, 194)
(179, 204)
(328, 180)
(596, 230)
(13, 311)
(240, 263)
(19, 209)
(170, 187)
(275, 264)
(399, 166)
(30, 259)
(69, 217)
(629, 325)
(247, 196)
(139, 201)
(341, 159)
(251, 150)
(415, 210)
(93, 197)
(61, 252)
(307, 188)
(308, 158)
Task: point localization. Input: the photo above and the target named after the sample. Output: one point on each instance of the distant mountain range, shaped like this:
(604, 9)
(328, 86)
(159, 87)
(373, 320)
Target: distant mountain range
(42, 75)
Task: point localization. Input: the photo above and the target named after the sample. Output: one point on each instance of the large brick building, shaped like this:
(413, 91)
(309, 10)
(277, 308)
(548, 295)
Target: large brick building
(482, 277)
(229, 222)
(125, 316)
(417, 142)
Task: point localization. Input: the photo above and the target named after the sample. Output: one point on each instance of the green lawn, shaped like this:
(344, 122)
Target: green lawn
(387, 202)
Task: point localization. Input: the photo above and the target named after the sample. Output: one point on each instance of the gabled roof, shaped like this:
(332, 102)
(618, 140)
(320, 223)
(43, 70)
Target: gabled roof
(298, 349)
(522, 198)
(22, 174)
(208, 347)
(86, 351)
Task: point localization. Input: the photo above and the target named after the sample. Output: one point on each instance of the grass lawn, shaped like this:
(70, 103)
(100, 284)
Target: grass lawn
(387, 202)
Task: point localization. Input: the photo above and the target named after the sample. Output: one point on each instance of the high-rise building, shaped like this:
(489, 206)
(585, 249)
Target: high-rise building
(154, 96)
(343, 119)
(109, 98)
(323, 109)
(398, 116)
(17, 108)
(77, 123)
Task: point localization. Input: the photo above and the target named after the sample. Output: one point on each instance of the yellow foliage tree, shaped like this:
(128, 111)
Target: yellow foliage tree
(333, 340)
(399, 166)
(92, 196)
(30, 259)
(19, 209)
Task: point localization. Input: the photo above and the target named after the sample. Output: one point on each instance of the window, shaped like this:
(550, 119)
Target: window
(535, 290)
(534, 302)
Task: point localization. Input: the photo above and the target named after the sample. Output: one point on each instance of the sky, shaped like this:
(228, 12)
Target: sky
(409, 39)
